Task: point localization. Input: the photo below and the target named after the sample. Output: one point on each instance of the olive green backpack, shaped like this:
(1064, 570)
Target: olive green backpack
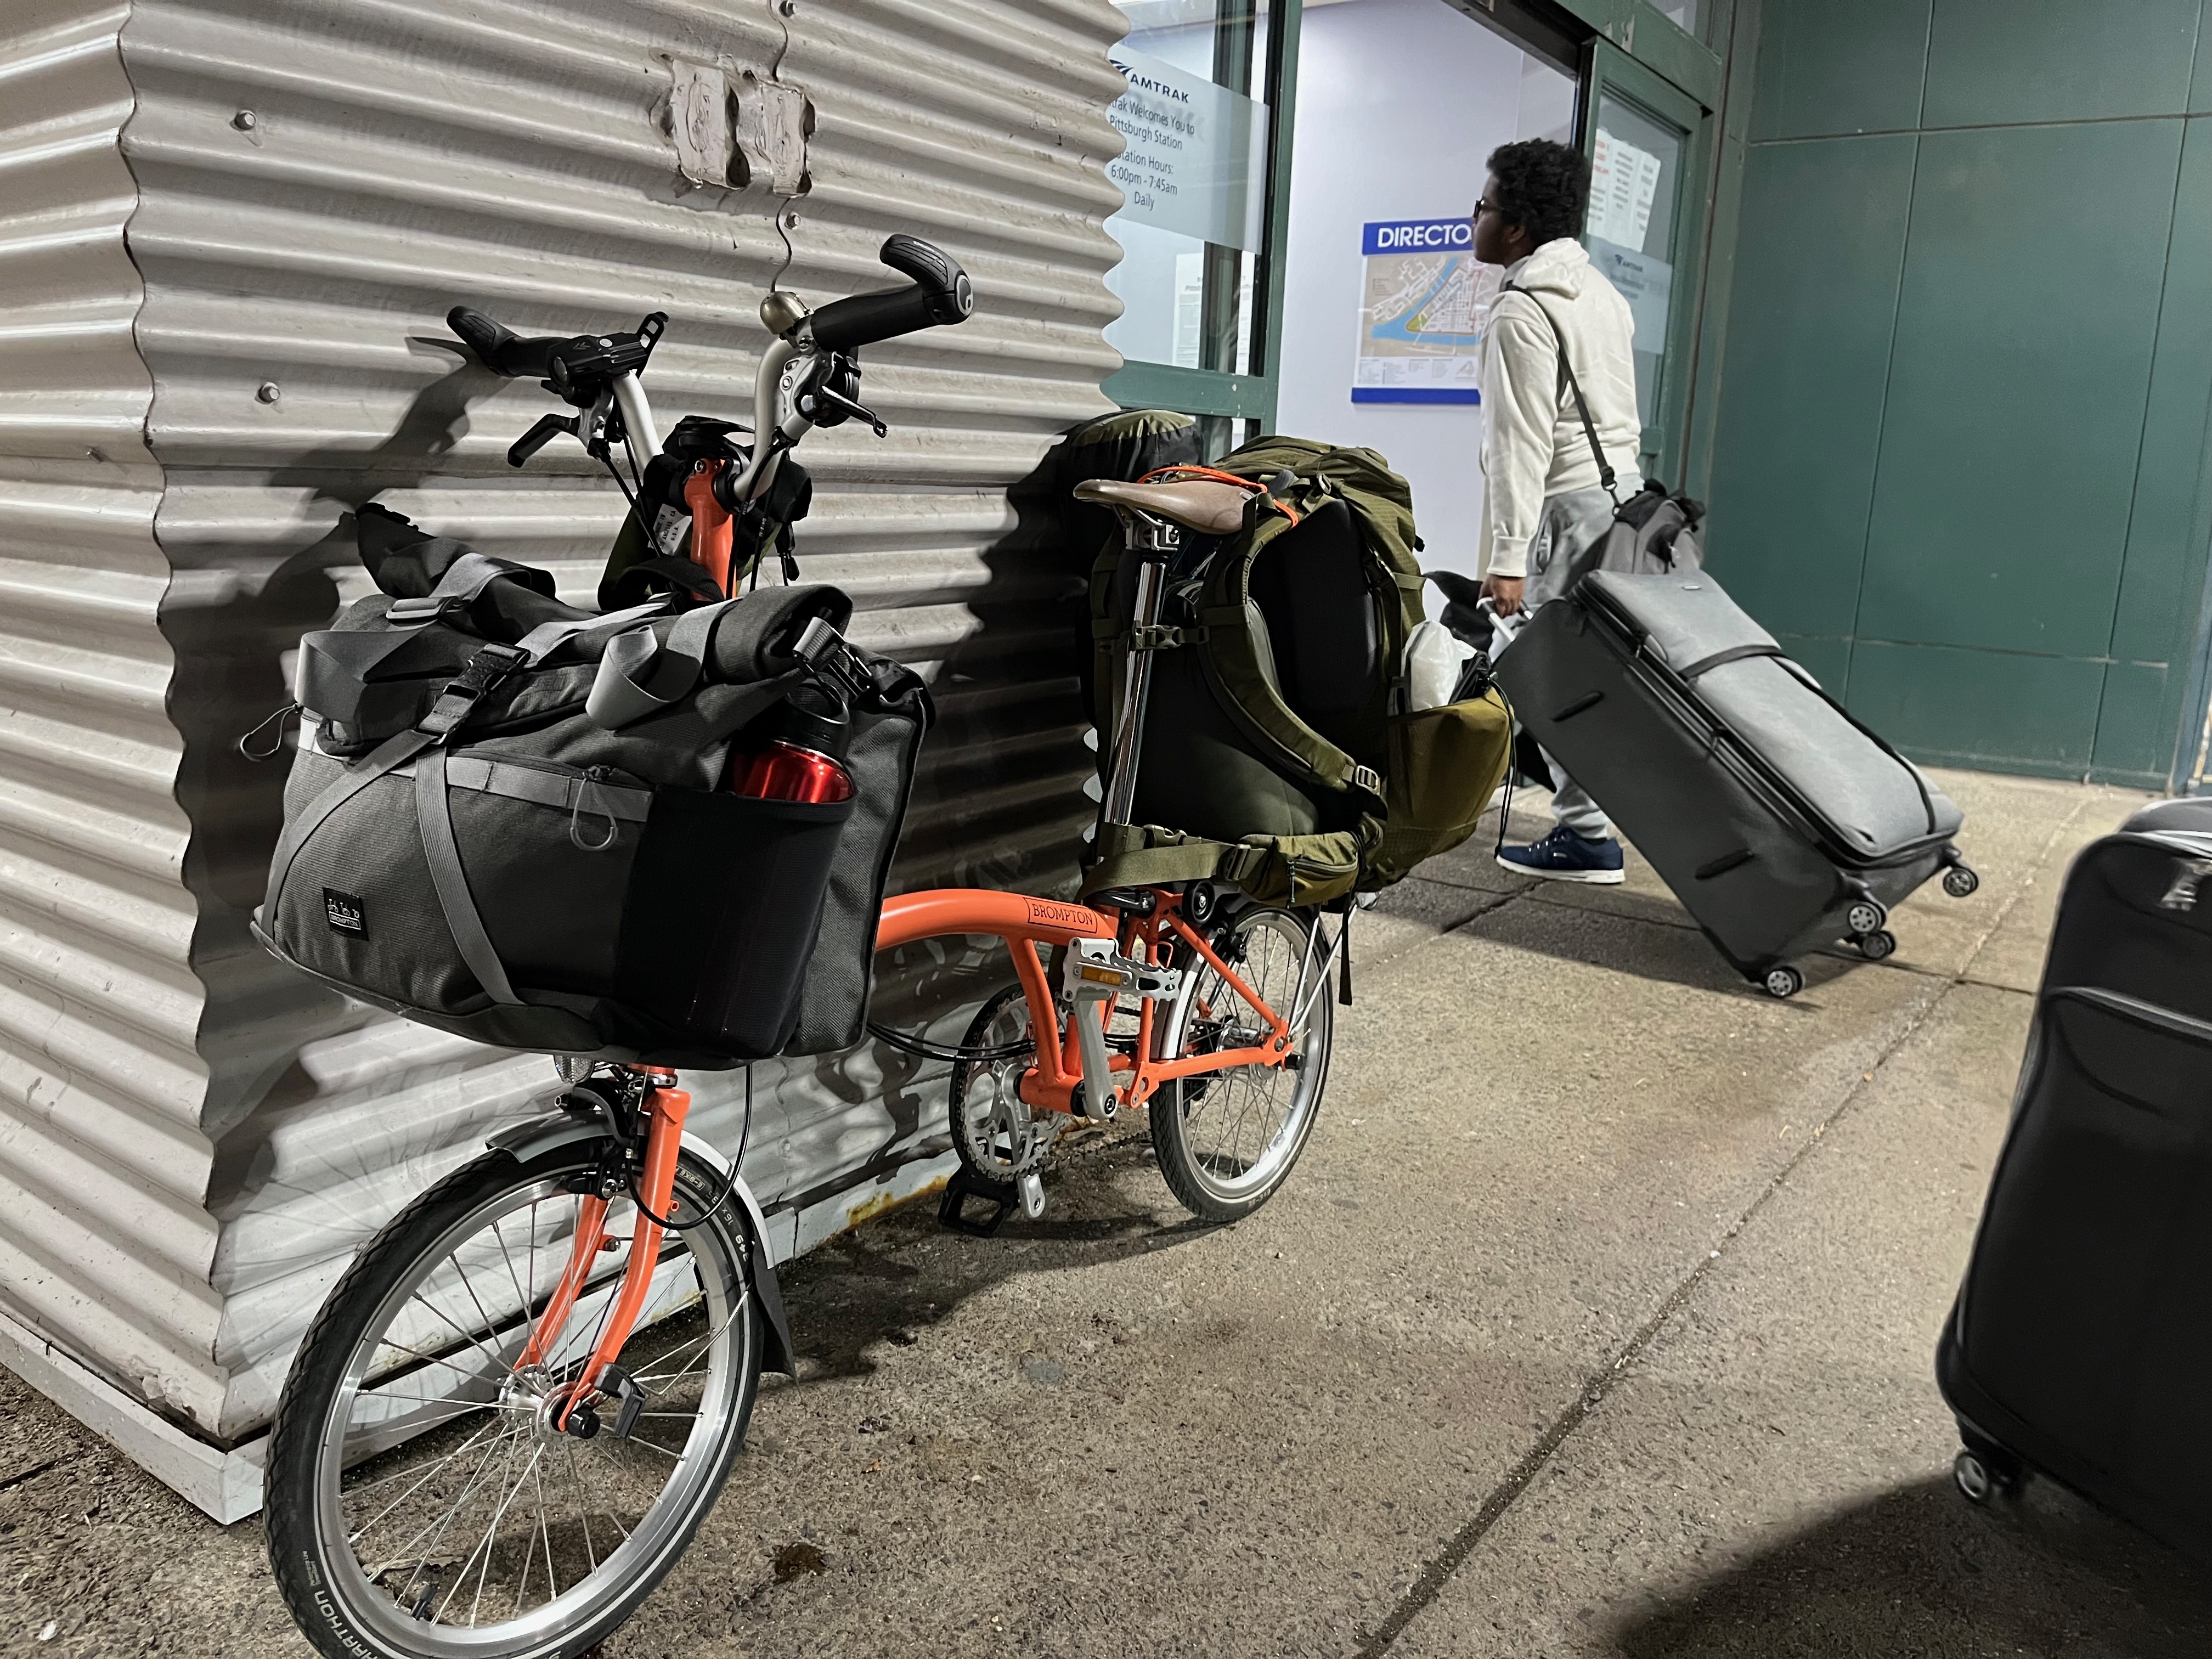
(1278, 754)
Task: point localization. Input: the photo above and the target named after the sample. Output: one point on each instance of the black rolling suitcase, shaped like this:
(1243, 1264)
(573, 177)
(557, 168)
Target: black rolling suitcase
(2081, 1343)
(1781, 823)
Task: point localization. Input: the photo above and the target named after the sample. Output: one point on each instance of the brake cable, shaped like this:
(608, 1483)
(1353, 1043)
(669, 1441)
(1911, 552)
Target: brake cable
(729, 1180)
(956, 1054)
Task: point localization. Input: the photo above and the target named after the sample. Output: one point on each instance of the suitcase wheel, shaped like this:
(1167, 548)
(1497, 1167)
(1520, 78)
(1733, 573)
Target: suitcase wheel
(1876, 946)
(1866, 916)
(1783, 981)
(1984, 1474)
(1959, 882)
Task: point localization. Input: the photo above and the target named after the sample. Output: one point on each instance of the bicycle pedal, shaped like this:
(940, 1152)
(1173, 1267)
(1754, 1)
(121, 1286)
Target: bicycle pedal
(1096, 971)
(952, 1209)
(1030, 1186)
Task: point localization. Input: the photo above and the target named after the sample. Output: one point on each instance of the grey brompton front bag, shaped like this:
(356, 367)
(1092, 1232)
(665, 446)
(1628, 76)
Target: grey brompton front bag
(504, 818)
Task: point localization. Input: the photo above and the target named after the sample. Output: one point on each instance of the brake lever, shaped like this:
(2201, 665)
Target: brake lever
(549, 428)
(845, 406)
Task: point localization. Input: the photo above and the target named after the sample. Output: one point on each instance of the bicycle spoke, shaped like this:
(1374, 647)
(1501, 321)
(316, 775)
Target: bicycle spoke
(699, 1343)
(583, 1507)
(523, 1299)
(361, 1531)
(497, 1363)
(544, 1538)
(505, 1443)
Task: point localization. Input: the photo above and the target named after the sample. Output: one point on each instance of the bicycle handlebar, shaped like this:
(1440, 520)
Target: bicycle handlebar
(499, 349)
(941, 293)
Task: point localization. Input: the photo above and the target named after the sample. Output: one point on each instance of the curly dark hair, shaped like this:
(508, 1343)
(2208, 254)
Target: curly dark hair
(1542, 187)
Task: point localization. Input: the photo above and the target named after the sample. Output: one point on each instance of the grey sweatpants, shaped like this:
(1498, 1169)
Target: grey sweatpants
(1570, 523)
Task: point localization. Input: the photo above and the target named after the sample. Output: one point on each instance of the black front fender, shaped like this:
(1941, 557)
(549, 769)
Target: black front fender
(533, 1139)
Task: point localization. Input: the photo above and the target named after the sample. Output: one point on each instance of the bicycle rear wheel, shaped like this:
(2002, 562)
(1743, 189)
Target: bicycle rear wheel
(1226, 1141)
(422, 1502)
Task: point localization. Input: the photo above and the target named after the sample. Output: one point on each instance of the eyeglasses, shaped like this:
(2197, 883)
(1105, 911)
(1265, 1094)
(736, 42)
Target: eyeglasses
(1483, 205)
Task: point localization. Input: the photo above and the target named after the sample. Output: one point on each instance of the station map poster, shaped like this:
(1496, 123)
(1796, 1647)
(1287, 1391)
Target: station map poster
(1427, 301)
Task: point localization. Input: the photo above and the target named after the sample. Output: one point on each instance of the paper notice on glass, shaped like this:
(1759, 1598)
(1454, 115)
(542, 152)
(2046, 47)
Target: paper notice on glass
(1647, 283)
(1195, 155)
(1624, 184)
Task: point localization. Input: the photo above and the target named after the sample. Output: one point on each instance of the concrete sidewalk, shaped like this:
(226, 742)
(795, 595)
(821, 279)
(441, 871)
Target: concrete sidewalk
(1598, 1320)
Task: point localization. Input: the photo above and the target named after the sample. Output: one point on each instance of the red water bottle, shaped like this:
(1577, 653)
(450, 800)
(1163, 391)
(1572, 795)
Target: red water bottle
(803, 759)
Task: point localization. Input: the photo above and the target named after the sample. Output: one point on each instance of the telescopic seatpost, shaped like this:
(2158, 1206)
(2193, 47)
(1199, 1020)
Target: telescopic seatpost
(1153, 541)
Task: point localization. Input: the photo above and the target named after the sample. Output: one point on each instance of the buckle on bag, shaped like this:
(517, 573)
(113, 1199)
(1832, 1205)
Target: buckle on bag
(418, 612)
(1156, 636)
(489, 669)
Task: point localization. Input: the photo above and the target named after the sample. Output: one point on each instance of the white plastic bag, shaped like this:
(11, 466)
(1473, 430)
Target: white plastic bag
(1434, 659)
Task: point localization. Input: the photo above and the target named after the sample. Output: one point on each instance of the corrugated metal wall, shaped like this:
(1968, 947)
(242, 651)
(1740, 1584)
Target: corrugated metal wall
(104, 1242)
(318, 184)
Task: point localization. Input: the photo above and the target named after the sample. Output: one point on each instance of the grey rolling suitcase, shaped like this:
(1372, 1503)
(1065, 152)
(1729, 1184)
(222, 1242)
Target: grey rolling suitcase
(1780, 821)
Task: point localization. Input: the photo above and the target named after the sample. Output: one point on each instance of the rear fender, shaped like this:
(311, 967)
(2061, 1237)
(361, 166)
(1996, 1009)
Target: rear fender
(525, 1141)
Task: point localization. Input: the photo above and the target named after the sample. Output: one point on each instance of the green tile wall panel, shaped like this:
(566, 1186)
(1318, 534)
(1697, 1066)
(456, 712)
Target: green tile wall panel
(2200, 91)
(1808, 351)
(1991, 62)
(2017, 386)
(1827, 659)
(1829, 67)
(2159, 618)
(1979, 709)
(2135, 732)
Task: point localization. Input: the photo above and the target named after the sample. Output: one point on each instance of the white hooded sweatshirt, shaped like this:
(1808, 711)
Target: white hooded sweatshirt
(1533, 446)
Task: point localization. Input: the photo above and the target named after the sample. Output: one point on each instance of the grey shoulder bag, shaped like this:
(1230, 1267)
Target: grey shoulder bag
(1652, 531)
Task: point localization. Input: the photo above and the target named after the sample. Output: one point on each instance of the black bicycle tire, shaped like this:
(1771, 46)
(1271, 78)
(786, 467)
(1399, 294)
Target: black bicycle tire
(289, 1500)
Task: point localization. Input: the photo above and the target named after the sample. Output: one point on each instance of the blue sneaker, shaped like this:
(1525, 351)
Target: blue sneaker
(1562, 855)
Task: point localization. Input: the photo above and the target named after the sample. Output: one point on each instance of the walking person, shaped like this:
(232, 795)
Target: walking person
(1545, 497)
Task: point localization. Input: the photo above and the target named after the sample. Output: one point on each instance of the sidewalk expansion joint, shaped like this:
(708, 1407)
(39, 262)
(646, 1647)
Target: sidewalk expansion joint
(1600, 1383)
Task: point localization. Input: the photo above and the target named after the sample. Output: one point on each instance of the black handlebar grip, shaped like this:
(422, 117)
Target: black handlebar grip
(941, 295)
(499, 349)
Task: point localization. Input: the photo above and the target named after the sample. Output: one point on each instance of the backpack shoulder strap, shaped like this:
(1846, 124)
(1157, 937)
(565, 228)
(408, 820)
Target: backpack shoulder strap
(1567, 379)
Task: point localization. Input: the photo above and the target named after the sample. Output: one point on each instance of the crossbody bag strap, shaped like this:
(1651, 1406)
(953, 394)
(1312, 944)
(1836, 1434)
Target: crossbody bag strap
(1567, 379)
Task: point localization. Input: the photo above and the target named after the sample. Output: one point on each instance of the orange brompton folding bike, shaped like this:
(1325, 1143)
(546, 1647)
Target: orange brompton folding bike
(519, 1402)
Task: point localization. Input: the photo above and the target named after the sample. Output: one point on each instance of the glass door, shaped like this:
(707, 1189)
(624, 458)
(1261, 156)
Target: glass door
(1648, 145)
(1204, 181)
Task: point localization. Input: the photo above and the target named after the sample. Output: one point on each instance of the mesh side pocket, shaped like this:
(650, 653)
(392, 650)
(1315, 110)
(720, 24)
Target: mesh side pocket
(725, 902)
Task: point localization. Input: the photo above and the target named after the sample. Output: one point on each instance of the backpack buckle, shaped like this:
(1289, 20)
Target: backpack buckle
(1158, 636)
(419, 612)
(490, 668)
(1368, 779)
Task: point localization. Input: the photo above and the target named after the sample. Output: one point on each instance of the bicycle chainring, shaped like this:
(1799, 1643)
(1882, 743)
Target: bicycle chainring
(1003, 1139)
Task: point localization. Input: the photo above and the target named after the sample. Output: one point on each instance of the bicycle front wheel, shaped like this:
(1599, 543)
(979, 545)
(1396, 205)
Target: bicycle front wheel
(424, 1503)
(1226, 1141)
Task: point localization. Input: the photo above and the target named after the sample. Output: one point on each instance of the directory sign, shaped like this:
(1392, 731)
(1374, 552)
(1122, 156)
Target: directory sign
(1427, 302)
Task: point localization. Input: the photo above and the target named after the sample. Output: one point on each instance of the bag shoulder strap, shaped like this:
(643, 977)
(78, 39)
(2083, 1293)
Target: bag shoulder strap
(1567, 379)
